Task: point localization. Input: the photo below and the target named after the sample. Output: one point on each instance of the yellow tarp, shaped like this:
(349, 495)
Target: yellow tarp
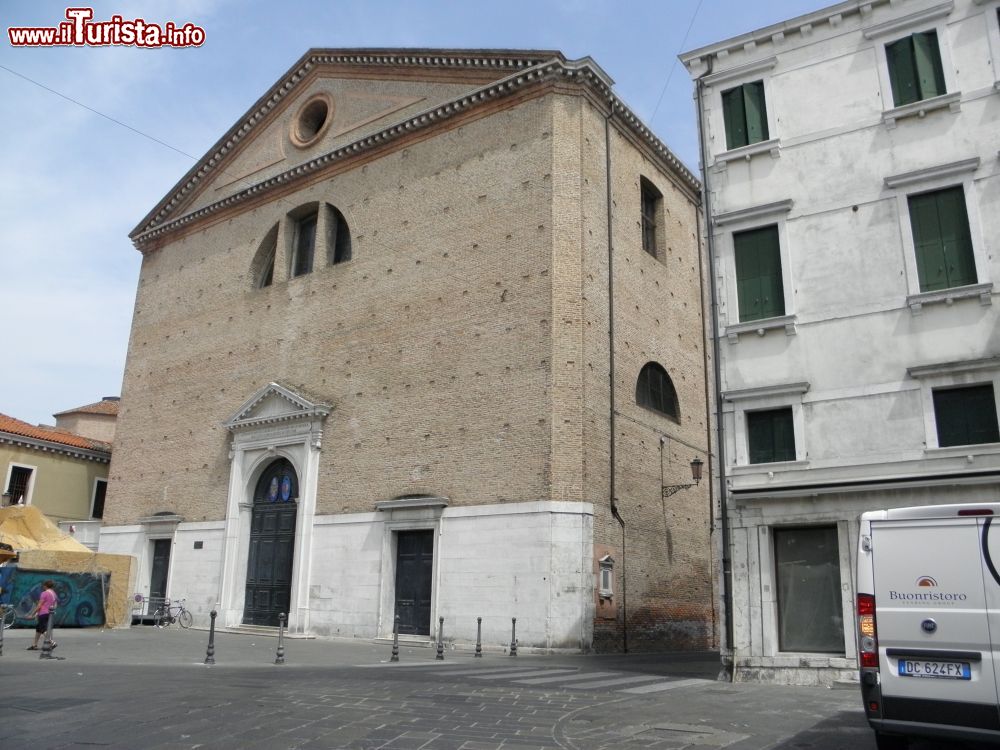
(24, 527)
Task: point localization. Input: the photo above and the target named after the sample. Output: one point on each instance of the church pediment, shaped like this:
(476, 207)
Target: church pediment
(319, 117)
(361, 93)
(274, 404)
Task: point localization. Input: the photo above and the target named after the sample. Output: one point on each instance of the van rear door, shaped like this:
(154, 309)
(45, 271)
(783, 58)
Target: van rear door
(990, 547)
(933, 627)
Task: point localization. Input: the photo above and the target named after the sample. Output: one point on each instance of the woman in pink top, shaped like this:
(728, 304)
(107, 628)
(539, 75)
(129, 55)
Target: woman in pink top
(46, 603)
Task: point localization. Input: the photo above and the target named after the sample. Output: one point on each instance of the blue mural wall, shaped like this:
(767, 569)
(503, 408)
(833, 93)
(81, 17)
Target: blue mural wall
(80, 595)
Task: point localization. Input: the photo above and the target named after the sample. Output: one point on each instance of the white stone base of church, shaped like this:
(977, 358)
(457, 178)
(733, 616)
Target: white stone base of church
(532, 561)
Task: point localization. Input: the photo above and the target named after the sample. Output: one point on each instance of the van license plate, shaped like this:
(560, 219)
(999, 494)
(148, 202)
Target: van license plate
(948, 670)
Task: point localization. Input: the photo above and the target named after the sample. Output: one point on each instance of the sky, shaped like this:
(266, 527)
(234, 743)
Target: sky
(92, 138)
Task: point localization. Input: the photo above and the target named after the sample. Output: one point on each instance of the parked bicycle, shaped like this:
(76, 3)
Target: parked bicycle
(172, 612)
(8, 615)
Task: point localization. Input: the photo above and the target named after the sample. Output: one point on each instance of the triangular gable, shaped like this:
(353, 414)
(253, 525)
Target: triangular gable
(490, 75)
(463, 70)
(275, 403)
(357, 111)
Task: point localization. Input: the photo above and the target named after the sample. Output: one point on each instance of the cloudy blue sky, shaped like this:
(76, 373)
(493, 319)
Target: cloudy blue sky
(73, 183)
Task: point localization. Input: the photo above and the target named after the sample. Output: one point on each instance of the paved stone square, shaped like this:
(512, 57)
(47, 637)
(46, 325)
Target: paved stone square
(149, 688)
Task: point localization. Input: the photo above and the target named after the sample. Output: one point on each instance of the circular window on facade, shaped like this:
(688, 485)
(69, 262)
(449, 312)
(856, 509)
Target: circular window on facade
(312, 120)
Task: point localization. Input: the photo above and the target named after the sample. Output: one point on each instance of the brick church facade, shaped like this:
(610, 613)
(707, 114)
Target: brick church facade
(371, 363)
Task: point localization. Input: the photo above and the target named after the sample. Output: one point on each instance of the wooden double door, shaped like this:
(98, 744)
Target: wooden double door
(272, 545)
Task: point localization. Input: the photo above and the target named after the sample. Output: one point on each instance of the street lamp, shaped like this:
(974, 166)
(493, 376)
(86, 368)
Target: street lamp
(671, 489)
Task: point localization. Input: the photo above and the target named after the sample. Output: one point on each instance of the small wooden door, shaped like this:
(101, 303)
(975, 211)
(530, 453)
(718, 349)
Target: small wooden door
(414, 569)
(272, 545)
(158, 573)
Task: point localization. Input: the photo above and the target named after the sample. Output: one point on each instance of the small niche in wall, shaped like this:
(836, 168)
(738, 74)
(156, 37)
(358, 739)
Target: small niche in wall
(199, 545)
(607, 577)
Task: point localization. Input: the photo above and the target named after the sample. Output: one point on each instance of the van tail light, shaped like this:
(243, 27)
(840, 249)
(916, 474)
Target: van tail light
(867, 631)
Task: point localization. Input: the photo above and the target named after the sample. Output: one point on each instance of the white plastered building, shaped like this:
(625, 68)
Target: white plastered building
(850, 162)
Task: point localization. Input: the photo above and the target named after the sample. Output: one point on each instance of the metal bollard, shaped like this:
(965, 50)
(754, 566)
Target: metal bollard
(49, 644)
(395, 640)
(479, 637)
(513, 636)
(440, 647)
(280, 658)
(210, 653)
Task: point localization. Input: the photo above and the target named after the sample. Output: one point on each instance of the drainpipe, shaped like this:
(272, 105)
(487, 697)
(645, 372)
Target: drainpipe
(727, 562)
(611, 369)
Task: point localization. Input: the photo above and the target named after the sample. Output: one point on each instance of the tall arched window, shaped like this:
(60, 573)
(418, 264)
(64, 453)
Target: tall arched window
(654, 390)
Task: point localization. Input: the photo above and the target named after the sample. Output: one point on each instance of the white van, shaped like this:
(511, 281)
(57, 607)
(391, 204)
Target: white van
(928, 613)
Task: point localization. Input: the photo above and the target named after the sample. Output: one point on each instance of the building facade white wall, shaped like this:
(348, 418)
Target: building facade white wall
(531, 561)
(860, 348)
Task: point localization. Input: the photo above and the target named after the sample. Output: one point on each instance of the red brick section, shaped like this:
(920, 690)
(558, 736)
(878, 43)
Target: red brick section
(17, 427)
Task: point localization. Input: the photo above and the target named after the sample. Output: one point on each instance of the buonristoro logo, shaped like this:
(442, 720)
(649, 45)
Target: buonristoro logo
(81, 30)
(917, 597)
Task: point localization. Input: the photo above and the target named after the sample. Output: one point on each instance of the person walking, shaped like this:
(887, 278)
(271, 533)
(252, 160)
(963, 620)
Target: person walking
(43, 609)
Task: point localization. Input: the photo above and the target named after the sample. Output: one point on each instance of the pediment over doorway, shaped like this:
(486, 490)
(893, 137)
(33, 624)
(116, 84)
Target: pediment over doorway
(275, 404)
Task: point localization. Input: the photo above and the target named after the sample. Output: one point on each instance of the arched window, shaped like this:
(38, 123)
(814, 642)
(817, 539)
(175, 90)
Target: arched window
(310, 234)
(654, 390)
(262, 268)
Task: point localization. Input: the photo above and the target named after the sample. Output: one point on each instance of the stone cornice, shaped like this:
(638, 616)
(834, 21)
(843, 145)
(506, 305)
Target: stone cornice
(527, 71)
(937, 172)
(101, 457)
(753, 213)
(954, 368)
(768, 36)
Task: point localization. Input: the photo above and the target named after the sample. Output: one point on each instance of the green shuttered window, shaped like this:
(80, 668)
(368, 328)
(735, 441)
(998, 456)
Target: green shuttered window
(758, 273)
(915, 68)
(745, 114)
(941, 239)
(771, 435)
(966, 415)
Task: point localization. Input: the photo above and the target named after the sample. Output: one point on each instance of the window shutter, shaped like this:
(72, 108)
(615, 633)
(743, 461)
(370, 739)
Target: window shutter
(756, 112)
(927, 59)
(931, 265)
(760, 438)
(902, 71)
(966, 416)
(770, 436)
(748, 288)
(982, 414)
(735, 117)
(784, 436)
(956, 242)
(758, 274)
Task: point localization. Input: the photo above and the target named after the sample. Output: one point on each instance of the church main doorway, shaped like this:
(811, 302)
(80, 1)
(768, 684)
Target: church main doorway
(272, 544)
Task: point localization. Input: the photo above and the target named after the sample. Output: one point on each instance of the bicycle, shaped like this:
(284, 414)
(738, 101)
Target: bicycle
(173, 612)
(8, 615)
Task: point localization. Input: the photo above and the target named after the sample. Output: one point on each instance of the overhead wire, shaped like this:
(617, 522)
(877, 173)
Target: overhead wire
(670, 73)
